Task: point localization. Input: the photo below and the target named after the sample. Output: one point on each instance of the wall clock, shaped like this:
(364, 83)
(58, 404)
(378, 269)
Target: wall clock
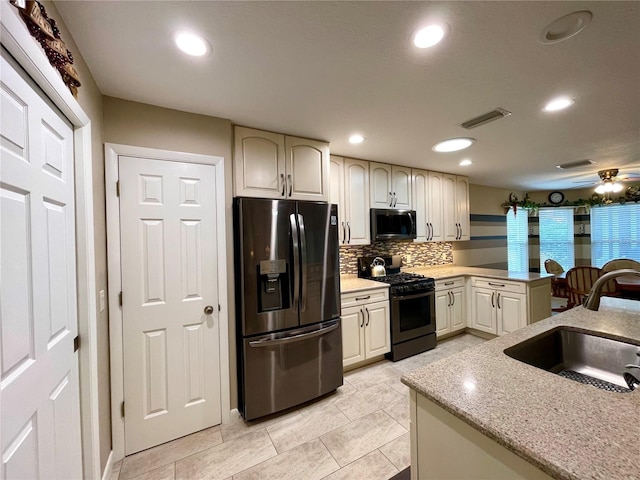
(556, 198)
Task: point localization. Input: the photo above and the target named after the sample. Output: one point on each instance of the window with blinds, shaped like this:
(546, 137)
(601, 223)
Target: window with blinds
(615, 233)
(556, 236)
(517, 241)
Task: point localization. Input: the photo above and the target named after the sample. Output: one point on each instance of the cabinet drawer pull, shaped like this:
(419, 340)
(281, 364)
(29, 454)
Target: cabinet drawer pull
(497, 284)
(449, 283)
(363, 298)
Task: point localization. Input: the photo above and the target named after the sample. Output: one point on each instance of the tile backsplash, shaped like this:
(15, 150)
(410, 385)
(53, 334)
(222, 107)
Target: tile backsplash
(421, 254)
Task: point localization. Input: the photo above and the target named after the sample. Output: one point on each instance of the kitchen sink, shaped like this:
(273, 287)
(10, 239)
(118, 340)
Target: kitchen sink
(582, 356)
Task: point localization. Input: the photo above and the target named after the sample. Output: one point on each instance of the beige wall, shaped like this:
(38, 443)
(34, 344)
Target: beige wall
(488, 246)
(90, 99)
(141, 125)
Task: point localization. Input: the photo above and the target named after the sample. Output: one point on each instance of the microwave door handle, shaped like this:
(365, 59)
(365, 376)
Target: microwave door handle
(296, 260)
(303, 250)
(413, 225)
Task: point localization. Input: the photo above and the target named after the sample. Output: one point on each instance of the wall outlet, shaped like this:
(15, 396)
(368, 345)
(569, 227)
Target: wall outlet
(101, 300)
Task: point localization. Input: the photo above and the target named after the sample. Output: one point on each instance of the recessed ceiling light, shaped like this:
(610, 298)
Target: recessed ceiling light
(559, 103)
(356, 138)
(429, 36)
(453, 144)
(465, 162)
(565, 27)
(192, 44)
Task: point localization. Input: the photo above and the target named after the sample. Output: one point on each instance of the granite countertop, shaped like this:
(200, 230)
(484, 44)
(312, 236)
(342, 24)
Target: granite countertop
(351, 283)
(567, 429)
(447, 271)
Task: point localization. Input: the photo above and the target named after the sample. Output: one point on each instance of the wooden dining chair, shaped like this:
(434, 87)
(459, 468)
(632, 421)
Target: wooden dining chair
(619, 264)
(579, 283)
(551, 266)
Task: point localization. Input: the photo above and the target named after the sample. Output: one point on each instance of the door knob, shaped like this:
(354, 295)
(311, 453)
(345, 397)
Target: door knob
(208, 310)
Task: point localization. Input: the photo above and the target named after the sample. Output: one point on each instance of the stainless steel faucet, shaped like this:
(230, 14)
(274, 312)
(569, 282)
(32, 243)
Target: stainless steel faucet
(592, 302)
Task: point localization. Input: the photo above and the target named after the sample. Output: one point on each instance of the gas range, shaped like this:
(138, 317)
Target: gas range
(411, 305)
(400, 282)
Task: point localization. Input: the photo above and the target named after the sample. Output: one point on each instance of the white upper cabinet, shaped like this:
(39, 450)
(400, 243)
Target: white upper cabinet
(272, 165)
(455, 207)
(462, 202)
(349, 188)
(356, 202)
(390, 186)
(427, 202)
(336, 191)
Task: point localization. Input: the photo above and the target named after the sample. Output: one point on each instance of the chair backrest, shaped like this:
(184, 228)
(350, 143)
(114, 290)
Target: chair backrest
(581, 279)
(551, 266)
(620, 263)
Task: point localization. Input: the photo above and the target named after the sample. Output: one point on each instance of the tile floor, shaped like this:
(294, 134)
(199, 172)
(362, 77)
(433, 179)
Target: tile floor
(358, 432)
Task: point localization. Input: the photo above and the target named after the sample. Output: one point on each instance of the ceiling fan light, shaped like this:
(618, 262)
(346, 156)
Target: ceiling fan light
(600, 189)
(616, 187)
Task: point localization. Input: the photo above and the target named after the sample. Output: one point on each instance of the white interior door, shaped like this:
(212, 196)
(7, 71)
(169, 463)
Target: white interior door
(169, 276)
(40, 416)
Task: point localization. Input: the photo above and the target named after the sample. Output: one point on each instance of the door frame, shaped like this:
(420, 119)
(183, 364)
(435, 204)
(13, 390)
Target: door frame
(17, 40)
(111, 153)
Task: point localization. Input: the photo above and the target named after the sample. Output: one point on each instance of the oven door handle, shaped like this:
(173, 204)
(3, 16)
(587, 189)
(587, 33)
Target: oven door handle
(267, 342)
(413, 295)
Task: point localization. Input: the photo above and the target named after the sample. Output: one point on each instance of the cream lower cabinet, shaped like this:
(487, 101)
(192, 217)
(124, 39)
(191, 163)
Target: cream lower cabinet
(440, 439)
(450, 306)
(498, 307)
(365, 326)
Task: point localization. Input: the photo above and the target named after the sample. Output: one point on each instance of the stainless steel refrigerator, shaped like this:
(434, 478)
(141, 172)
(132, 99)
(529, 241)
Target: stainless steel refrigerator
(287, 303)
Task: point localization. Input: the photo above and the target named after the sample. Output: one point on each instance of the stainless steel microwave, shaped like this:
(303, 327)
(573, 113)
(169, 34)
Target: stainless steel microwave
(392, 224)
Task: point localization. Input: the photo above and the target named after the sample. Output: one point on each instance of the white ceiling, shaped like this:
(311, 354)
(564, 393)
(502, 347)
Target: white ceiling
(327, 69)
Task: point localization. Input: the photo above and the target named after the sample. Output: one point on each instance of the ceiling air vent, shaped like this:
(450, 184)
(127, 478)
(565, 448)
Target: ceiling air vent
(486, 118)
(579, 163)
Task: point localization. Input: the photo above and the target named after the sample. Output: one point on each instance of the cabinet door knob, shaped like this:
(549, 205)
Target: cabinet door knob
(208, 310)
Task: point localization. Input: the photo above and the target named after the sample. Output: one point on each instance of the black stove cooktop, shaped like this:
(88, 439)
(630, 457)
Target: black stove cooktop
(399, 281)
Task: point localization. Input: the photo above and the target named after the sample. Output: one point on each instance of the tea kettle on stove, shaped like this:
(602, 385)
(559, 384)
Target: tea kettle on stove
(377, 267)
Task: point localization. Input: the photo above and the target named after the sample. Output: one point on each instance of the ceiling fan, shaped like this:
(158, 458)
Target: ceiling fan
(610, 182)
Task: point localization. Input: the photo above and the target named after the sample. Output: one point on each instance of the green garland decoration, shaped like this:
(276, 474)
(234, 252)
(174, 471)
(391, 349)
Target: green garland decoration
(595, 201)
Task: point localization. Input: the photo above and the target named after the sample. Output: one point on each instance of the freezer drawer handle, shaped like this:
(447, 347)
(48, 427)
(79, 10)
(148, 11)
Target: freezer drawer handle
(294, 338)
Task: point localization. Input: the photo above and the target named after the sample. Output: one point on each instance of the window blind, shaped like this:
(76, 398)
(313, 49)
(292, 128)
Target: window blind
(517, 241)
(615, 233)
(556, 236)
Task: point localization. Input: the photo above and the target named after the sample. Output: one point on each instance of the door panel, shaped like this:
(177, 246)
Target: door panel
(442, 312)
(458, 313)
(483, 310)
(512, 312)
(377, 329)
(320, 293)
(169, 274)
(40, 408)
(352, 336)
(380, 187)
(258, 163)
(307, 169)
(401, 187)
(357, 201)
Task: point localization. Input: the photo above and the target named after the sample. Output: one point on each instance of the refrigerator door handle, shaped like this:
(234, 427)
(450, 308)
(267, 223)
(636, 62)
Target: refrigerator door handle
(268, 342)
(296, 260)
(303, 250)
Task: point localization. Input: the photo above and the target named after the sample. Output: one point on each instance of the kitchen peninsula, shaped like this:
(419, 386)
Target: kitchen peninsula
(482, 414)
